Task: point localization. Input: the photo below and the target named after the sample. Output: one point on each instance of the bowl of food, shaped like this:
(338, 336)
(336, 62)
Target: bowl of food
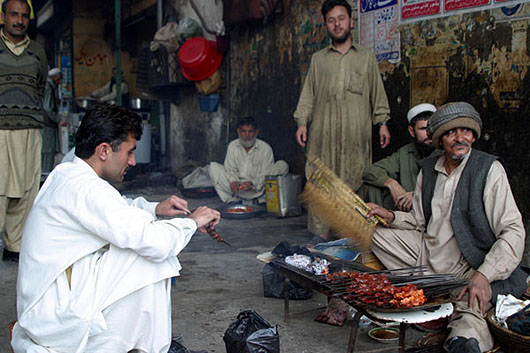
(384, 334)
(240, 211)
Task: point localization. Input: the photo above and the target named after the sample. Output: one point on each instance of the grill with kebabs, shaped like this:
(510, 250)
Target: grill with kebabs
(401, 289)
(389, 290)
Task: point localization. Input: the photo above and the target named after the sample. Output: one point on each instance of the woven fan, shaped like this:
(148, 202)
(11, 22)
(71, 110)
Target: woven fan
(338, 205)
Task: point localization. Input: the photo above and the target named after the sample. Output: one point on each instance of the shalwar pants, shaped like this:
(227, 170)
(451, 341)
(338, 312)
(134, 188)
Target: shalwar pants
(397, 248)
(20, 159)
(221, 182)
(107, 306)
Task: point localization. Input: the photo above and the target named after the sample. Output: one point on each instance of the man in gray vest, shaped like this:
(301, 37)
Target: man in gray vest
(464, 220)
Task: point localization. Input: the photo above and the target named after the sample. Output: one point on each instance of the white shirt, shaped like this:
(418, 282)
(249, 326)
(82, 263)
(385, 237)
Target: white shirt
(75, 214)
(252, 166)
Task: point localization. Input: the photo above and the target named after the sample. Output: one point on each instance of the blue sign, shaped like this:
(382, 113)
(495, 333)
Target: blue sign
(373, 5)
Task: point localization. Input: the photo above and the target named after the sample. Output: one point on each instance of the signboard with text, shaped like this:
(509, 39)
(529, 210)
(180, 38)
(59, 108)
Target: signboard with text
(416, 10)
(379, 30)
(420, 8)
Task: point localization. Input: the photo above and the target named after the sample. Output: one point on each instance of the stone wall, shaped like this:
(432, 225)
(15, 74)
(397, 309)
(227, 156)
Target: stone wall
(480, 57)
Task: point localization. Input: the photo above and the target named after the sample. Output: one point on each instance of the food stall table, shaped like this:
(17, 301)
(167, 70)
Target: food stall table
(405, 318)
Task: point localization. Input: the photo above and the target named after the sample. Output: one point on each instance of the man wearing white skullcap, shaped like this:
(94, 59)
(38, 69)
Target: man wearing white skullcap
(390, 182)
(464, 221)
(52, 121)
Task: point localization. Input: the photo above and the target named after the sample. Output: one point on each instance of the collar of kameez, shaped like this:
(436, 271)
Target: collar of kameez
(251, 148)
(439, 166)
(10, 44)
(84, 164)
(353, 45)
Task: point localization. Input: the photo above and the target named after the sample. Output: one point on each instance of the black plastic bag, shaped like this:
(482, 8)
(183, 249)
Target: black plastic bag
(273, 285)
(266, 340)
(250, 324)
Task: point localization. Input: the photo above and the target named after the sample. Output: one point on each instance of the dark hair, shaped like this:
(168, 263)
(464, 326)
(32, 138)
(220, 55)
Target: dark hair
(106, 123)
(4, 5)
(420, 116)
(247, 120)
(329, 4)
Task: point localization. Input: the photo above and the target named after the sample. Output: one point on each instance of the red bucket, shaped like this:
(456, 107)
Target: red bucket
(199, 58)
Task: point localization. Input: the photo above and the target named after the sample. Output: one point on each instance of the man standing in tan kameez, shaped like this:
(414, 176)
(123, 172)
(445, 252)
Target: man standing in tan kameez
(22, 79)
(342, 97)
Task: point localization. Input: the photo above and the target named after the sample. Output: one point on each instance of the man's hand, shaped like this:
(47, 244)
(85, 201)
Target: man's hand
(479, 289)
(235, 187)
(63, 123)
(404, 202)
(384, 136)
(402, 198)
(246, 185)
(205, 216)
(301, 135)
(376, 210)
(171, 207)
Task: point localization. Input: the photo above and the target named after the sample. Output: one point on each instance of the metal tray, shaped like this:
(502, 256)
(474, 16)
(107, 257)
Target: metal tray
(255, 211)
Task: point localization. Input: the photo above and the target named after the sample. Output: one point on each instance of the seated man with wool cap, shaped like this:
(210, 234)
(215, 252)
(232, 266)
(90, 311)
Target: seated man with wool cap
(248, 160)
(390, 182)
(464, 221)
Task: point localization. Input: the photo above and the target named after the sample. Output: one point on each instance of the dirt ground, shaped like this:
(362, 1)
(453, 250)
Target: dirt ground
(218, 281)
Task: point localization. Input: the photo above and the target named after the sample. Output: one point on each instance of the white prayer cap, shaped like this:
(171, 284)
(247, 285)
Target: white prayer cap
(53, 72)
(420, 108)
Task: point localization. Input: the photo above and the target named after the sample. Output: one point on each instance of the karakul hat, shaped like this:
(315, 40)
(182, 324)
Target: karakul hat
(53, 72)
(418, 109)
(451, 116)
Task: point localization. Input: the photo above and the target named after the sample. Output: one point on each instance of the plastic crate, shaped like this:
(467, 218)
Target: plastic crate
(209, 103)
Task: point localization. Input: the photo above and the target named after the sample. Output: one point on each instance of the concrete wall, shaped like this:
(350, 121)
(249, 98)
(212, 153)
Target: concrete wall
(93, 48)
(479, 57)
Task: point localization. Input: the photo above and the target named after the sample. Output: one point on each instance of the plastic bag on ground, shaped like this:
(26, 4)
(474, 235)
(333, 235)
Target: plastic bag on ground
(266, 340)
(241, 330)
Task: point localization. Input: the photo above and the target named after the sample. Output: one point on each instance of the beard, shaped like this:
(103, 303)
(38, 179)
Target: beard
(247, 144)
(340, 39)
(425, 149)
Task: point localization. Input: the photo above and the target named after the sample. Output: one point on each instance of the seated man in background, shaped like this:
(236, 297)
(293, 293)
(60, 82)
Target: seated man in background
(108, 92)
(248, 160)
(390, 182)
(95, 267)
(464, 221)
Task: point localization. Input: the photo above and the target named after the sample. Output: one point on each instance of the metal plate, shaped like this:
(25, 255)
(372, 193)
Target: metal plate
(413, 316)
(255, 211)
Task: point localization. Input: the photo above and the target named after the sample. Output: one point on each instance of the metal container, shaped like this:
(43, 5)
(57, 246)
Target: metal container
(140, 104)
(281, 193)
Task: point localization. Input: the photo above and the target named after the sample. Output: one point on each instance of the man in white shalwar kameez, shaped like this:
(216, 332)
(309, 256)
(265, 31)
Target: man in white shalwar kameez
(248, 160)
(95, 267)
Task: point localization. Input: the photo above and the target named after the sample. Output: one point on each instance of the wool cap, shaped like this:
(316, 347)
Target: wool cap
(418, 109)
(451, 116)
(53, 72)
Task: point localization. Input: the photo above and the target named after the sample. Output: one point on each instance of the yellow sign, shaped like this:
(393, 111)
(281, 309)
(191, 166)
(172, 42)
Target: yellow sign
(31, 15)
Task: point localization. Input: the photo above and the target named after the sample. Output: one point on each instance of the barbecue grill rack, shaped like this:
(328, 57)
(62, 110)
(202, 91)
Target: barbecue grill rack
(437, 288)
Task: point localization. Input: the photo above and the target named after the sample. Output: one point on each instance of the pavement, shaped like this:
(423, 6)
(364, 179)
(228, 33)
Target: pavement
(218, 281)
